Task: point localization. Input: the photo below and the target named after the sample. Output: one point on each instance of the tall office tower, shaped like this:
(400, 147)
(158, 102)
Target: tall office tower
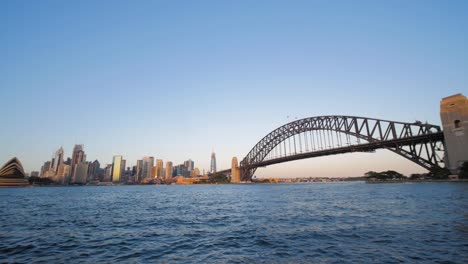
(189, 165)
(454, 116)
(108, 173)
(45, 168)
(213, 163)
(78, 157)
(63, 173)
(116, 168)
(139, 171)
(57, 160)
(93, 170)
(159, 169)
(148, 162)
(81, 173)
(169, 170)
(122, 171)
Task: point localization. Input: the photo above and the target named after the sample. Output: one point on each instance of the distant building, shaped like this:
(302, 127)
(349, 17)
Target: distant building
(78, 157)
(34, 174)
(148, 162)
(94, 170)
(454, 116)
(117, 168)
(45, 169)
(63, 174)
(195, 173)
(108, 173)
(169, 170)
(139, 171)
(81, 173)
(213, 163)
(57, 160)
(189, 165)
(159, 169)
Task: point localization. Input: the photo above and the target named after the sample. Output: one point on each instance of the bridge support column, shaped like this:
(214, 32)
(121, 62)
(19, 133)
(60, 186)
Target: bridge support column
(246, 174)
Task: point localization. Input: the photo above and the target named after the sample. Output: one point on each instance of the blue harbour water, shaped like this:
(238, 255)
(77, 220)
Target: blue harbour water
(265, 223)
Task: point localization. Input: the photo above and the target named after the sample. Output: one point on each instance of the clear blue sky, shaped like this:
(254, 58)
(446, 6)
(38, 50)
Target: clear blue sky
(178, 79)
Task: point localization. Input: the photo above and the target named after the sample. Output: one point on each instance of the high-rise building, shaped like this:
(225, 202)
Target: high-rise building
(189, 165)
(117, 168)
(159, 169)
(78, 157)
(148, 162)
(45, 168)
(57, 160)
(139, 171)
(454, 116)
(169, 170)
(81, 173)
(213, 163)
(94, 170)
(63, 173)
(108, 173)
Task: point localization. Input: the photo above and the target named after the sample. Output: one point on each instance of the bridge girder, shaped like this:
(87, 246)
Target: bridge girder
(416, 141)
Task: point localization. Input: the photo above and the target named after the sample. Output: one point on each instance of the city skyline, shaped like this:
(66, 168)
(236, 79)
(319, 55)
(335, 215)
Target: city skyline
(178, 81)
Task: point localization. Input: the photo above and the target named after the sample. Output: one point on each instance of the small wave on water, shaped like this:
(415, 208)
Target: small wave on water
(295, 223)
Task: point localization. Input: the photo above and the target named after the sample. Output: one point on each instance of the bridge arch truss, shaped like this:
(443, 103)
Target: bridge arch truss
(419, 142)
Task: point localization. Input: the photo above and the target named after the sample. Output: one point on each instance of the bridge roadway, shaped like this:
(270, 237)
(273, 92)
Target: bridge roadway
(365, 147)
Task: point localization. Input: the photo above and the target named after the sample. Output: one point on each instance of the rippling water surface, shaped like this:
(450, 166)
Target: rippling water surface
(294, 223)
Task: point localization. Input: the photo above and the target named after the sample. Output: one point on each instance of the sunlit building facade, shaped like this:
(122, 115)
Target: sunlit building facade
(117, 168)
(169, 170)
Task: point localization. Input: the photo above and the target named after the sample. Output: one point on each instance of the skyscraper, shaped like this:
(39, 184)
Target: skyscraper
(148, 162)
(117, 168)
(57, 160)
(139, 171)
(81, 173)
(93, 170)
(213, 163)
(78, 157)
(159, 169)
(189, 165)
(169, 170)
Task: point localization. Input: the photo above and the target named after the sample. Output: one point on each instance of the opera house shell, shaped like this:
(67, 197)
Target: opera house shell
(12, 174)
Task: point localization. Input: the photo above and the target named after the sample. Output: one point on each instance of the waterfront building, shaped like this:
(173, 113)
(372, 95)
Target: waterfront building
(189, 165)
(235, 171)
(94, 170)
(63, 173)
(117, 168)
(169, 170)
(45, 168)
(108, 173)
(78, 156)
(148, 162)
(213, 163)
(139, 171)
(12, 174)
(195, 173)
(34, 174)
(57, 160)
(454, 116)
(81, 173)
(159, 169)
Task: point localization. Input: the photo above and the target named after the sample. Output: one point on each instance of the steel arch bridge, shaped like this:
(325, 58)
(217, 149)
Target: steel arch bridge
(419, 142)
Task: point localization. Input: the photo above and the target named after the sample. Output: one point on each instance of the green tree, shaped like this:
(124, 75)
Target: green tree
(219, 178)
